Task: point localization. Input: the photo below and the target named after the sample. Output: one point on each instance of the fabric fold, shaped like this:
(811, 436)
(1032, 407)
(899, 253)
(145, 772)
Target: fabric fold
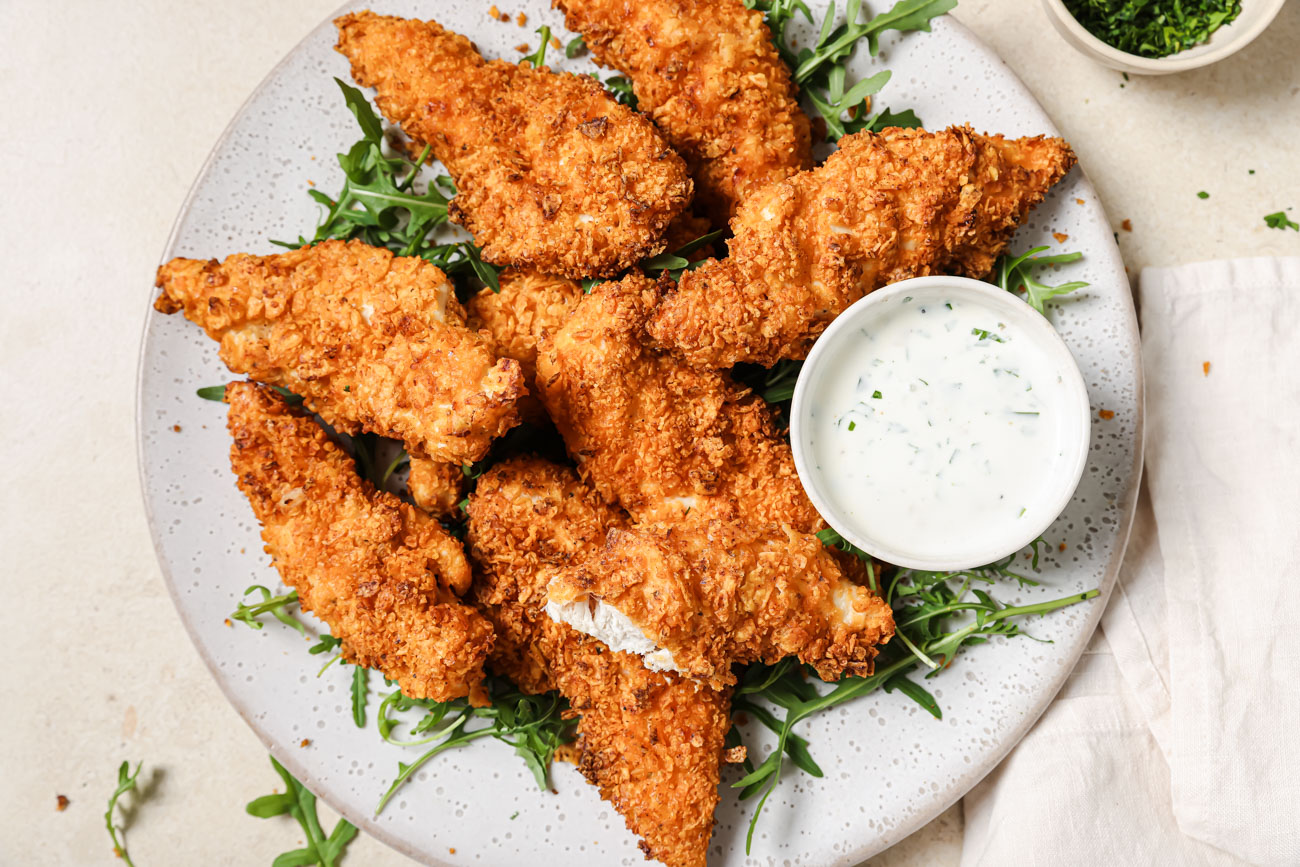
(1176, 740)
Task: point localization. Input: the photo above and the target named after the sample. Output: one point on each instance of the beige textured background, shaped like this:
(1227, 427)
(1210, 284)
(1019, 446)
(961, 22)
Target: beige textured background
(109, 110)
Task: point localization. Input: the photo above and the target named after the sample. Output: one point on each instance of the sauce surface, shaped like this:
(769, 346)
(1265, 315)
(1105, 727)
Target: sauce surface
(936, 424)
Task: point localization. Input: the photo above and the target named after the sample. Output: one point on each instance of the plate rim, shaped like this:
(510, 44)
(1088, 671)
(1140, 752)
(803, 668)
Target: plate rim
(849, 856)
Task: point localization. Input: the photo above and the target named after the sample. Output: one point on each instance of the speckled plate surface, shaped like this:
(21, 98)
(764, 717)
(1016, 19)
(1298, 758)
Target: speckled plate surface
(890, 767)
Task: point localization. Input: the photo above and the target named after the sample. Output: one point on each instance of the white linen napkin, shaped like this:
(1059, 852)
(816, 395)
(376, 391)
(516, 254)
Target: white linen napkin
(1177, 741)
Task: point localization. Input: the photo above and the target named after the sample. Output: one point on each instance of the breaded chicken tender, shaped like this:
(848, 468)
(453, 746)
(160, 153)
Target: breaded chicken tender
(382, 574)
(371, 341)
(436, 486)
(552, 173)
(708, 74)
(884, 207)
(656, 436)
(651, 742)
(711, 593)
(529, 305)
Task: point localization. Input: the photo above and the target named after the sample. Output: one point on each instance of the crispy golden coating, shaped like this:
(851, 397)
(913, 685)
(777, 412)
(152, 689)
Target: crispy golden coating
(436, 486)
(884, 207)
(709, 76)
(382, 574)
(713, 593)
(651, 742)
(552, 173)
(529, 305)
(689, 227)
(370, 341)
(655, 435)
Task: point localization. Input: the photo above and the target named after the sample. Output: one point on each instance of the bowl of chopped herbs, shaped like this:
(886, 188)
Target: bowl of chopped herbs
(1157, 37)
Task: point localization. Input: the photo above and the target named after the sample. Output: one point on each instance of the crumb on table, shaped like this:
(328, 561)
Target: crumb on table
(1106, 414)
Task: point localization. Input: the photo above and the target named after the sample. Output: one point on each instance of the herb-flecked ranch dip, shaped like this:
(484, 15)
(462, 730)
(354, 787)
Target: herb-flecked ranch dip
(939, 425)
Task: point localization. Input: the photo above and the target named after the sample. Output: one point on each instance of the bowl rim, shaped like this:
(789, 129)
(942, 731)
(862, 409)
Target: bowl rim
(1172, 62)
(1065, 475)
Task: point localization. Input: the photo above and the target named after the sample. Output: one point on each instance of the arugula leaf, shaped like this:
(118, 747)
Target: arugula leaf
(298, 801)
(218, 393)
(538, 57)
(325, 644)
(674, 263)
(922, 603)
(821, 71)
(574, 47)
(621, 88)
(779, 14)
(1280, 221)
(381, 205)
(905, 119)
(277, 606)
(126, 782)
(371, 126)
(837, 44)
(535, 725)
(836, 101)
(360, 693)
(774, 384)
(1014, 273)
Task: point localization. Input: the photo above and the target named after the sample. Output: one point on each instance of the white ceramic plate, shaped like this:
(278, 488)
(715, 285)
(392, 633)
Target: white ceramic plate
(889, 766)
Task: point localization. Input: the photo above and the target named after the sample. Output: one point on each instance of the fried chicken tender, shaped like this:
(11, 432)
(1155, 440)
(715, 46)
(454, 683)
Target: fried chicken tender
(651, 742)
(382, 574)
(552, 173)
(529, 305)
(884, 207)
(436, 486)
(712, 593)
(710, 77)
(661, 438)
(371, 341)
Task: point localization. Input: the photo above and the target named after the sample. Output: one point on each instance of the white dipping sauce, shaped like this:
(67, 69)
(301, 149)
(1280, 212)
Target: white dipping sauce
(936, 424)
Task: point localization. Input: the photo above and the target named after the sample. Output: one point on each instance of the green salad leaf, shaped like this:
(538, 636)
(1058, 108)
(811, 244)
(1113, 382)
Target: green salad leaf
(298, 801)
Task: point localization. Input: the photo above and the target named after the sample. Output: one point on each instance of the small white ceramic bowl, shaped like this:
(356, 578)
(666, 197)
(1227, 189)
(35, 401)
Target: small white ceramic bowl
(1062, 474)
(1227, 40)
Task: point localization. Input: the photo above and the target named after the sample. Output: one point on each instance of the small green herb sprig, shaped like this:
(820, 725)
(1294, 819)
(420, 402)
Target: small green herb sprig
(673, 264)
(1014, 273)
(298, 801)
(936, 614)
(535, 725)
(218, 393)
(1280, 221)
(126, 782)
(1153, 28)
(821, 70)
(275, 605)
(381, 204)
(538, 57)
